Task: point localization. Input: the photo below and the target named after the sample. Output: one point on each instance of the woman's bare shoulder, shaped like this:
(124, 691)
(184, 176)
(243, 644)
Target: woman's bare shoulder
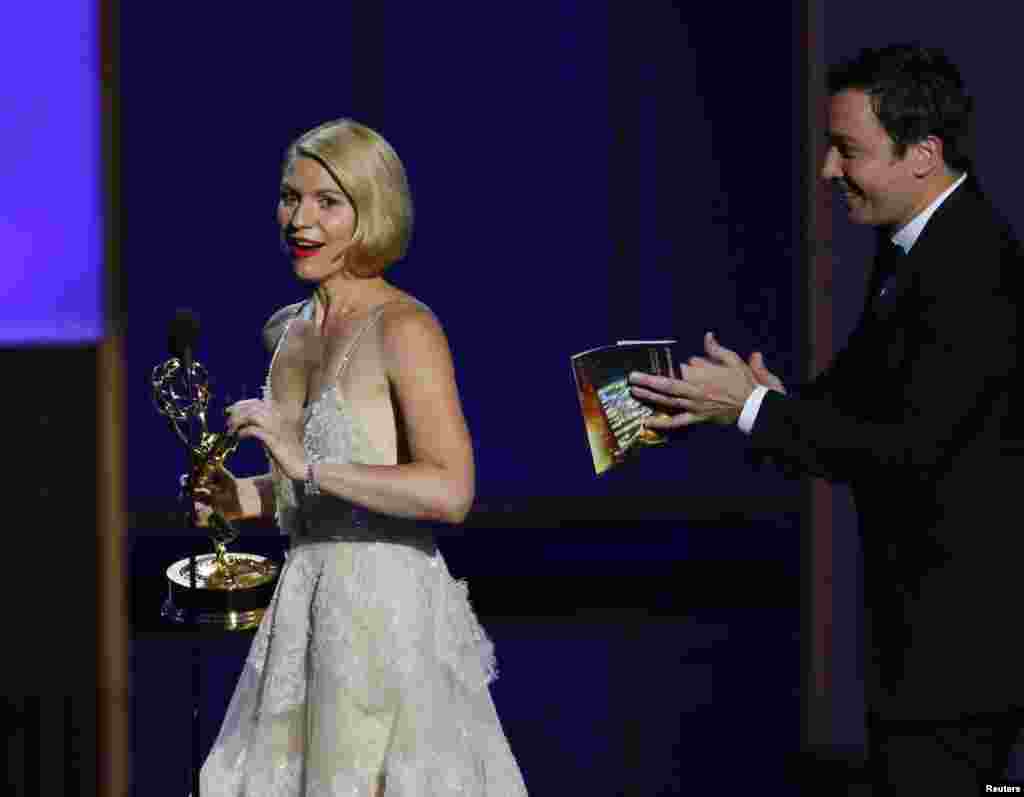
(275, 325)
(410, 336)
(406, 315)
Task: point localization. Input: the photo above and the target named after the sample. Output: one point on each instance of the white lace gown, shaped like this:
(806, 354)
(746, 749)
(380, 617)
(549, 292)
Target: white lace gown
(369, 665)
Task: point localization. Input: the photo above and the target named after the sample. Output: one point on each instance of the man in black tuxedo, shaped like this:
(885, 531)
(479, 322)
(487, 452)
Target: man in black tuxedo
(916, 413)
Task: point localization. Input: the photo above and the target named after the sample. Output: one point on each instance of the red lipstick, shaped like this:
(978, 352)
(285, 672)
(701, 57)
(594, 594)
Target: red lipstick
(300, 251)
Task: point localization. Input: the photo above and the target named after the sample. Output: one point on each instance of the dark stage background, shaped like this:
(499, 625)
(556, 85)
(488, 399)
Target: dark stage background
(583, 172)
(580, 175)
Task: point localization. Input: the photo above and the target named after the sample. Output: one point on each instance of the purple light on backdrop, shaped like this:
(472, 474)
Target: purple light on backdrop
(51, 230)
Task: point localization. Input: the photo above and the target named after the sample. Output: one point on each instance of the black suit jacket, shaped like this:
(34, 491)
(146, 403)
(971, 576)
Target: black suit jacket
(919, 414)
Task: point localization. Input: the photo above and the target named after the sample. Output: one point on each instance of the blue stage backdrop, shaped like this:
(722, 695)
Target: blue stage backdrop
(581, 174)
(51, 230)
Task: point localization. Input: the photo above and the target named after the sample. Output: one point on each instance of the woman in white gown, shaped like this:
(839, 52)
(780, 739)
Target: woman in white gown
(369, 674)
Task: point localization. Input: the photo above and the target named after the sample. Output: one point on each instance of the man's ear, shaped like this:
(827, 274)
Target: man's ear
(927, 156)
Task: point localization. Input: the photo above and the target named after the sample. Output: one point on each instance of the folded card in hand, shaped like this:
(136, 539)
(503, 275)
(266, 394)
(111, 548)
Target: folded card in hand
(613, 419)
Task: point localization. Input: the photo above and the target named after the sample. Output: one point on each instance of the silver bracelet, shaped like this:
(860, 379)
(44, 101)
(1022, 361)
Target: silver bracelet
(312, 488)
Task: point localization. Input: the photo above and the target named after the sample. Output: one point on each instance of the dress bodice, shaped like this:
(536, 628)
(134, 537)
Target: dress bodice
(333, 434)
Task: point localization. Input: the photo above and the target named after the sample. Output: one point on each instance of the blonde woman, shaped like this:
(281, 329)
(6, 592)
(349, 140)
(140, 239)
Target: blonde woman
(369, 673)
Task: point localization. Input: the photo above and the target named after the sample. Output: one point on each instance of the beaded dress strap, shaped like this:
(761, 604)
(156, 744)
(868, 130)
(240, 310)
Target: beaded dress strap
(301, 311)
(352, 344)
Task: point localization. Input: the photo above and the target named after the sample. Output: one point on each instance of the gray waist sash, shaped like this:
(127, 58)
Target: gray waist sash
(324, 518)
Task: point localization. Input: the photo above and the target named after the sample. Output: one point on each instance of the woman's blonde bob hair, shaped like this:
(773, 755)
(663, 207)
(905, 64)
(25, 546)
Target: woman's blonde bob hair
(368, 170)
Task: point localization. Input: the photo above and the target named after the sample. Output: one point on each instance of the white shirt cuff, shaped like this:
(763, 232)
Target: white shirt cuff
(750, 409)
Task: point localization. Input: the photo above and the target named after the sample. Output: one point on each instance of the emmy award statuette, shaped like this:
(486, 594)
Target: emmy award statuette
(219, 590)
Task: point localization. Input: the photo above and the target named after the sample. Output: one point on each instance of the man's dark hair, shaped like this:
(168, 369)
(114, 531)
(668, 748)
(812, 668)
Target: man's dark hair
(915, 92)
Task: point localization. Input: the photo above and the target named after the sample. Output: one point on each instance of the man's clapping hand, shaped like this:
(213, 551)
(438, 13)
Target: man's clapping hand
(711, 389)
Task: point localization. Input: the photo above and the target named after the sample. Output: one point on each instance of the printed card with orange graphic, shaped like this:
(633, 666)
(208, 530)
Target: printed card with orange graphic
(613, 419)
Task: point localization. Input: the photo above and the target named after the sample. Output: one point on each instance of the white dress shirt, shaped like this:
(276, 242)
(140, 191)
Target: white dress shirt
(905, 238)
